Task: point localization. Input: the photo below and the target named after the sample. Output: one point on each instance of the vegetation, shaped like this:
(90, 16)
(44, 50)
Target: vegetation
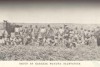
(52, 53)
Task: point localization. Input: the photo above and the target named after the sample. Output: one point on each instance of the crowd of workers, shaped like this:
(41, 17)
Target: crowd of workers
(48, 36)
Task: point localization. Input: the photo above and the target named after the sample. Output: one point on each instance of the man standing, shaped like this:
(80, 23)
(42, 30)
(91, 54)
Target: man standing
(97, 34)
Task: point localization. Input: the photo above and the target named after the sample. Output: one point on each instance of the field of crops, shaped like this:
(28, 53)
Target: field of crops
(52, 53)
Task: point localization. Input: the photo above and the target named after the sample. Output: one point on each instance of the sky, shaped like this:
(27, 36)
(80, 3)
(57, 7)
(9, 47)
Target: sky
(50, 12)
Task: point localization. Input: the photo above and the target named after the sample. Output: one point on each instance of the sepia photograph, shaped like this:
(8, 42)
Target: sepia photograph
(49, 31)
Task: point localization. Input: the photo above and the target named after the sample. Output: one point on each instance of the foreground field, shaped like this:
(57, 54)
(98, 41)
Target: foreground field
(31, 53)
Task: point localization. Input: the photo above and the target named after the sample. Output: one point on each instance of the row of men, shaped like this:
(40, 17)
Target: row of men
(52, 36)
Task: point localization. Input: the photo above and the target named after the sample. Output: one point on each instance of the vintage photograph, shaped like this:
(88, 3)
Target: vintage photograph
(49, 32)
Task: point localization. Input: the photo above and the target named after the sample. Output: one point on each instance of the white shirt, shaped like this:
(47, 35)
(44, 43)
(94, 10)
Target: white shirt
(1, 40)
(61, 31)
(43, 30)
(1, 32)
(16, 29)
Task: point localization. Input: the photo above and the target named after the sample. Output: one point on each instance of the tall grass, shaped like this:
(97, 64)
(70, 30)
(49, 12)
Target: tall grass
(52, 53)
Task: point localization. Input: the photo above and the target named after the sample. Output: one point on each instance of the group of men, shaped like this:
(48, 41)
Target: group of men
(48, 36)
